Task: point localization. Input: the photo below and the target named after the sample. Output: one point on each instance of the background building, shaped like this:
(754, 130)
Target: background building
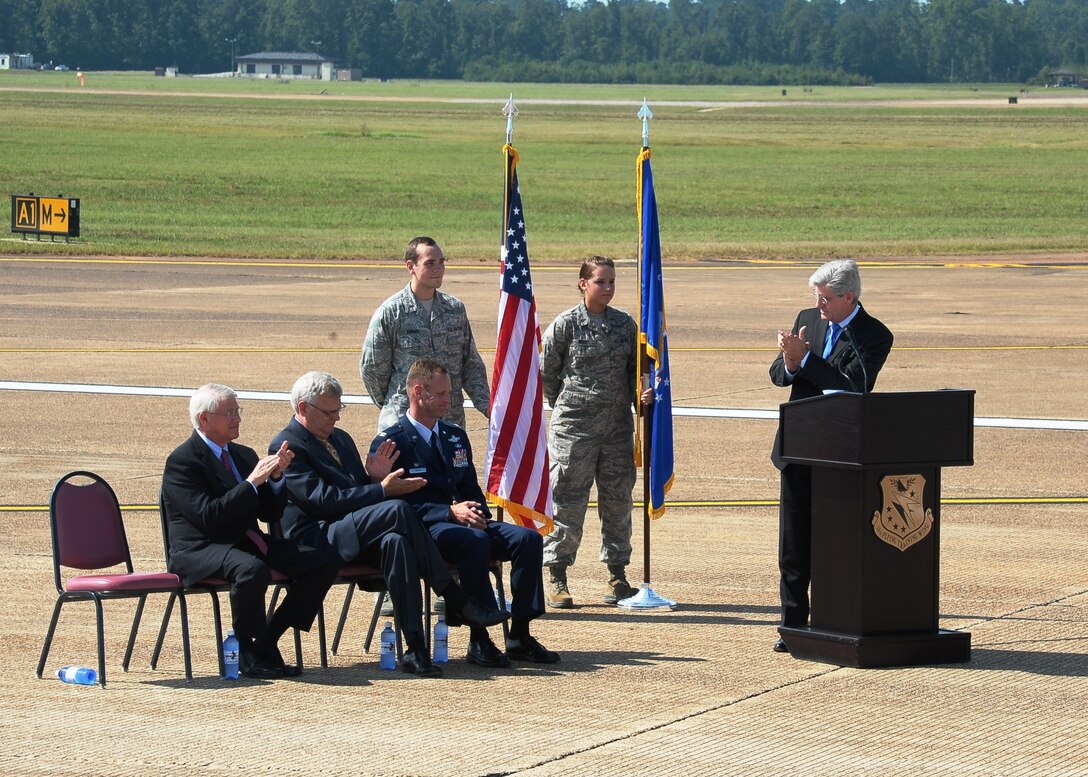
(16, 61)
(284, 64)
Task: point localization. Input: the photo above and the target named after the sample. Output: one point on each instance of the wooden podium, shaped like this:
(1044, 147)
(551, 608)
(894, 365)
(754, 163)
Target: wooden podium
(876, 503)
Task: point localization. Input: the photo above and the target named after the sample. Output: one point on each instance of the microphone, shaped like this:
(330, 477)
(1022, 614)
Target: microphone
(849, 333)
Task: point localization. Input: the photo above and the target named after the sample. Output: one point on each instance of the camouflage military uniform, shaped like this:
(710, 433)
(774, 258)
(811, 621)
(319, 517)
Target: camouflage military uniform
(400, 333)
(588, 365)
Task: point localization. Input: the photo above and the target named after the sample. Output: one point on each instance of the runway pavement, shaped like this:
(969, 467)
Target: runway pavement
(694, 691)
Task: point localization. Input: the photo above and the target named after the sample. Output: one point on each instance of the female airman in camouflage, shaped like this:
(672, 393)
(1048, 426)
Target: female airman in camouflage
(589, 374)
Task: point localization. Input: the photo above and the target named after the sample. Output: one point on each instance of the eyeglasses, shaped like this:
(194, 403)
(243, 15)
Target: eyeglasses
(822, 300)
(235, 412)
(330, 414)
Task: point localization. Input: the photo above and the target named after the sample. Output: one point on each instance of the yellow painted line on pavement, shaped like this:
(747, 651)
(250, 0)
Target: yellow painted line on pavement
(45, 508)
(170, 262)
(982, 500)
(1018, 500)
(320, 263)
(355, 349)
(991, 347)
(724, 264)
(1012, 500)
(750, 349)
(181, 350)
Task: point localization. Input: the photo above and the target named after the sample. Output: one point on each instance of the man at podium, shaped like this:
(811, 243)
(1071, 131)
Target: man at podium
(834, 346)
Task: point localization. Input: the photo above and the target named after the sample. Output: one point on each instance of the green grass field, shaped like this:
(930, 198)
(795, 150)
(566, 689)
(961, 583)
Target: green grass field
(233, 167)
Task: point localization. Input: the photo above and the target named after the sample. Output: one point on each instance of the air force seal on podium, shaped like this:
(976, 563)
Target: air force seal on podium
(904, 519)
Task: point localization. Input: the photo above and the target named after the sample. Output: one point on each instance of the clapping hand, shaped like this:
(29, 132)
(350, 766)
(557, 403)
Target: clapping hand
(272, 466)
(793, 347)
(380, 463)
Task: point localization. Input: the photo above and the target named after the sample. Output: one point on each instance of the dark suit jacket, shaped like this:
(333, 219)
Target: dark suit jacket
(322, 492)
(842, 370)
(208, 510)
(451, 480)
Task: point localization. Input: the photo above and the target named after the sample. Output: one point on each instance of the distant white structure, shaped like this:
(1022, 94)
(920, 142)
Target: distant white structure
(284, 64)
(16, 61)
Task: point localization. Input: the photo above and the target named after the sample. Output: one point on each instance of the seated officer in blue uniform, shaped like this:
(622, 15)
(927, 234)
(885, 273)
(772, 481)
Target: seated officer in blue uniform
(453, 507)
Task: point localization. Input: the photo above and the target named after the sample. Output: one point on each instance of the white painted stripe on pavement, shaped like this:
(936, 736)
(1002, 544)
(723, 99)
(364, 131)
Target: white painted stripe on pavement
(1055, 424)
(152, 391)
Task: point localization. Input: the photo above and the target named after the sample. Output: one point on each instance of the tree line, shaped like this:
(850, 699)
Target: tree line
(621, 41)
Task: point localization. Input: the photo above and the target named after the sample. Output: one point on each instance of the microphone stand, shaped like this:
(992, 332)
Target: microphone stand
(849, 332)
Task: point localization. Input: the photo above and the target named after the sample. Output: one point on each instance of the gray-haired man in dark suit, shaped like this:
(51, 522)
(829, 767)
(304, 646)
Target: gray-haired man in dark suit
(834, 346)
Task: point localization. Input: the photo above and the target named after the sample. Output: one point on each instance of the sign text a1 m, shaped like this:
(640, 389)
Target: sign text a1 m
(44, 215)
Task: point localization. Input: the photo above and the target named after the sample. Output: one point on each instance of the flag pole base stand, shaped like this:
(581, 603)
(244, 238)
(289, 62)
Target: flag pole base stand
(646, 599)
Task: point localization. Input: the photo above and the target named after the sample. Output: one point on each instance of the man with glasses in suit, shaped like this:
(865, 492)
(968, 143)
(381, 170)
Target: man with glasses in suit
(834, 346)
(355, 509)
(214, 491)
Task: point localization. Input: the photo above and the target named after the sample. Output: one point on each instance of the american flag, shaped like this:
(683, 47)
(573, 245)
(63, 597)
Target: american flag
(517, 449)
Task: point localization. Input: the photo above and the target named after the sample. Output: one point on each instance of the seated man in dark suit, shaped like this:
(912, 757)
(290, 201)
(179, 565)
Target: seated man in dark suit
(834, 346)
(214, 491)
(338, 503)
(455, 510)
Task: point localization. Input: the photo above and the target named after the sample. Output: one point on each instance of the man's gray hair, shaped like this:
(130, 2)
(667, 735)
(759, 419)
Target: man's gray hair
(207, 399)
(312, 385)
(840, 276)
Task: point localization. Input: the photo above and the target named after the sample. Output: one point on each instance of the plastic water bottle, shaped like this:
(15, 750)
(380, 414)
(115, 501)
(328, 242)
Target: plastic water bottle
(78, 675)
(230, 656)
(388, 658)
(441, 641)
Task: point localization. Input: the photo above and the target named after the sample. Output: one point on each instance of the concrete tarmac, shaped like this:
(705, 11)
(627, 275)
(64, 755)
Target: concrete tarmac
(693, 691)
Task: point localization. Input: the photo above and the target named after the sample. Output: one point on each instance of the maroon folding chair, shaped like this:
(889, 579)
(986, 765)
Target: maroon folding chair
(365, 583)
(89, 534)
(352, 575)
(212, 586)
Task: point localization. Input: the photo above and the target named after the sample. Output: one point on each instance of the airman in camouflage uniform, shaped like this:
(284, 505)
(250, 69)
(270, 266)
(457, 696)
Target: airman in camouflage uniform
(588, 365)
(422, 322)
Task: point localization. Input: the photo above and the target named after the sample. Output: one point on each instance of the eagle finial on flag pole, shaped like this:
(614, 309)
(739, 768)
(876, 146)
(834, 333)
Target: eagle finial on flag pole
(510, 111)
(644, 113)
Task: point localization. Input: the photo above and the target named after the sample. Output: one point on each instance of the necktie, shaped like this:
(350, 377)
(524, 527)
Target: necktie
(832, 337)
(225, 458)
(254, 535)
(332, 452)
(437, 453)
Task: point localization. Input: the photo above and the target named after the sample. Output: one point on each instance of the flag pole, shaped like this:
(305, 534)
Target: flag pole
(517, 460)
(644, 114)
(647, 448)
(510, 111)
(646, 598)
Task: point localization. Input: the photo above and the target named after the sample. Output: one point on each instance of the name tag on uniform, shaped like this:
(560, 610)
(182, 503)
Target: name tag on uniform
(460, 458)
(417, 471)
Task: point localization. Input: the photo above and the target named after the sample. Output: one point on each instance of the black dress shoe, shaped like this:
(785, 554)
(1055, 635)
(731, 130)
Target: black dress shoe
(275, 659)
(484, 653)
(780, 646)
(472, 614)
(416, 662)
(528, 649)
(256, 666)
